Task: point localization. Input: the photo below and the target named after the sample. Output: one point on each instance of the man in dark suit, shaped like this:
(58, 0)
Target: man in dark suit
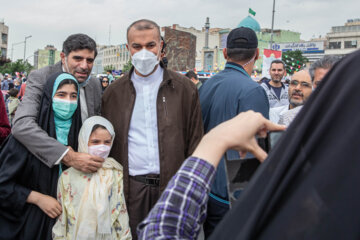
(77, 57)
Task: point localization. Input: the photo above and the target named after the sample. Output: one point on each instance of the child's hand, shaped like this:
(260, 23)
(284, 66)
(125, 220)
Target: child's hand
(50, 206)
(47, 204)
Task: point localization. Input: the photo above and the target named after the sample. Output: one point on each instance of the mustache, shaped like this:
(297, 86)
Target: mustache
(297, 92)
(81, 70)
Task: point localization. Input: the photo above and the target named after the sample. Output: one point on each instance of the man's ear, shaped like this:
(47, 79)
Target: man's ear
(257, 54)
(62, 56)
(225, 53)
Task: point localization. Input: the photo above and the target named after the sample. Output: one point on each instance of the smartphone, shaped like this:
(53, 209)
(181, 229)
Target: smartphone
(273, 138)
(239, 171)
(270, 141)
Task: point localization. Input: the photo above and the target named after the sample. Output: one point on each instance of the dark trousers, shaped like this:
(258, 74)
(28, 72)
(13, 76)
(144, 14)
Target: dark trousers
(215, 212)
(141, 199)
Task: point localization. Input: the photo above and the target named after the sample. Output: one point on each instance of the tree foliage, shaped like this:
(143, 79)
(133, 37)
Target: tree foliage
(109, 68)
(127, 66)
(294, 61)
(18, 66)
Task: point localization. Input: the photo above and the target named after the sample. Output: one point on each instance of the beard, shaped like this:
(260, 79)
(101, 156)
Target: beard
(276, 80)
(297, 103)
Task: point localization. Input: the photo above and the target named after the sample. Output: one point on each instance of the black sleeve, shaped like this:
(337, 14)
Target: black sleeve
(12, 164)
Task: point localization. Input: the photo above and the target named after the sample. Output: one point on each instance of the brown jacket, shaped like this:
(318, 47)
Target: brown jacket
(179, 120)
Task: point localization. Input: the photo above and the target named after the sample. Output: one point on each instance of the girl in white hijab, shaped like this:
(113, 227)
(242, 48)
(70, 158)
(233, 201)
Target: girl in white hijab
(93, 204)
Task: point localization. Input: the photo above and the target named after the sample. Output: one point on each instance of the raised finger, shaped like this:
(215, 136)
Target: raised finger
(270, 126)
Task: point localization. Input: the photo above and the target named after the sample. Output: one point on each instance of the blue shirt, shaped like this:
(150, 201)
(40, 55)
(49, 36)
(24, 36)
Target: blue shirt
(224, 96)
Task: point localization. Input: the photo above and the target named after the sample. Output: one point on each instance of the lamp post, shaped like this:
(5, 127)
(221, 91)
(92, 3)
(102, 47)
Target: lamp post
(25, 45)
(272, 25)
(12, 49)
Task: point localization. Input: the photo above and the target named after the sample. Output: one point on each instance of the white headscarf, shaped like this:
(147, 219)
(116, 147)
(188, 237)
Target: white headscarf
(94, 216)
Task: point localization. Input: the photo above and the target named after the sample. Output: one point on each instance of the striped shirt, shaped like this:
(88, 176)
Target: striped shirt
(181, 209)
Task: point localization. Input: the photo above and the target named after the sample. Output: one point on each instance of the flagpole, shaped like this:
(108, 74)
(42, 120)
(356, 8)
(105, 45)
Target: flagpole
(272, 25)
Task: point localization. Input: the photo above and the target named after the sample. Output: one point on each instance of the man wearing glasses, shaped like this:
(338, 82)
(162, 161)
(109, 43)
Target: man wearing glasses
(300, 88)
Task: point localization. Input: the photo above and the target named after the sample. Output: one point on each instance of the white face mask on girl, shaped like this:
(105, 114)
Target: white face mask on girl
(100, 150)
(144, 61)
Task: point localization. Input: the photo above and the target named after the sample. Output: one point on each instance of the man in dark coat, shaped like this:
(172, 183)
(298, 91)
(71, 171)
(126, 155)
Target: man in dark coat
(308, 186)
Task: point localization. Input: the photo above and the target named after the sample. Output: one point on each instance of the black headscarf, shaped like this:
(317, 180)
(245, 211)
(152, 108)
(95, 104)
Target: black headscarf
(21, 172)
(308, 188)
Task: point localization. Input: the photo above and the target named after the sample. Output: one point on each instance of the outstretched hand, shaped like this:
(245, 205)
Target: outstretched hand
(238, 134)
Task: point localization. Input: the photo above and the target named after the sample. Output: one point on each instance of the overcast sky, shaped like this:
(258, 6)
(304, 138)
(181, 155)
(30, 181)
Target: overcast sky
(51, 21)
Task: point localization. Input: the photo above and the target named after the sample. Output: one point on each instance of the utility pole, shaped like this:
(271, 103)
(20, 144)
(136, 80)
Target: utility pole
(272, 25)
(12, 49)
(109, 34)
(25, 46)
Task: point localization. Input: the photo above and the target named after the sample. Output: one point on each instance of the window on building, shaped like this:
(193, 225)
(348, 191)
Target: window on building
(350, 44)
(51, 57)
(4, 38)
(334, 45)
(3, 52)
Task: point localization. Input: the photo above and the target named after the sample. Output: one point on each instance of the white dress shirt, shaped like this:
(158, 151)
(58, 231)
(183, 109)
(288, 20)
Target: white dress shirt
(143, 144)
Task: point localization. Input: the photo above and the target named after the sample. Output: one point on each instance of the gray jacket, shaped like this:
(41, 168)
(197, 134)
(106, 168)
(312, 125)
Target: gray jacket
(27, 131)
(274, 101)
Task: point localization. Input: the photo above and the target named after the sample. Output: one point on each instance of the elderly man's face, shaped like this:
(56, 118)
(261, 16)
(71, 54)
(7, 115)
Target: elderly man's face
(300, 88)
(319, 74)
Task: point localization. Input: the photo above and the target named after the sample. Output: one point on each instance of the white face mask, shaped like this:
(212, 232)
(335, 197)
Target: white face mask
(144, 61)
(99, 150)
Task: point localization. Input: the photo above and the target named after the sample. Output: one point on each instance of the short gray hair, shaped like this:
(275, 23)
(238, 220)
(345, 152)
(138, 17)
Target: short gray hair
(326, 63)
(143, 24)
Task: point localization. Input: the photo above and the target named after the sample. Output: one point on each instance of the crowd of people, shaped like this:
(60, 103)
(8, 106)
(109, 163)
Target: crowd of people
(128, 158)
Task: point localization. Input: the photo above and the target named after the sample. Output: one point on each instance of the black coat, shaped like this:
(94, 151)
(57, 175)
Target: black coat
(21, 172)
(308, 188)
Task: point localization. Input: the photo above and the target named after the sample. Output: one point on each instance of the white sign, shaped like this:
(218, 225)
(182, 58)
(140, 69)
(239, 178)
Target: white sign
(306, 47)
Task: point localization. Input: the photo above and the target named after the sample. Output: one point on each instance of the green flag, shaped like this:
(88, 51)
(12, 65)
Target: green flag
(252, 12)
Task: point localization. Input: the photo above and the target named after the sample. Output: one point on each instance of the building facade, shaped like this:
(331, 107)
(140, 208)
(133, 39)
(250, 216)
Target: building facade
(98, 63)
(46, 57)
(180, 49)
(207, 42)
(115, 56)
(345, 39)
(4, 31)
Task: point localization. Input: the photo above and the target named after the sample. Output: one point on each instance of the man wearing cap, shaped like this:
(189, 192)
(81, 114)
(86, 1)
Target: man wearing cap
(222, 97)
